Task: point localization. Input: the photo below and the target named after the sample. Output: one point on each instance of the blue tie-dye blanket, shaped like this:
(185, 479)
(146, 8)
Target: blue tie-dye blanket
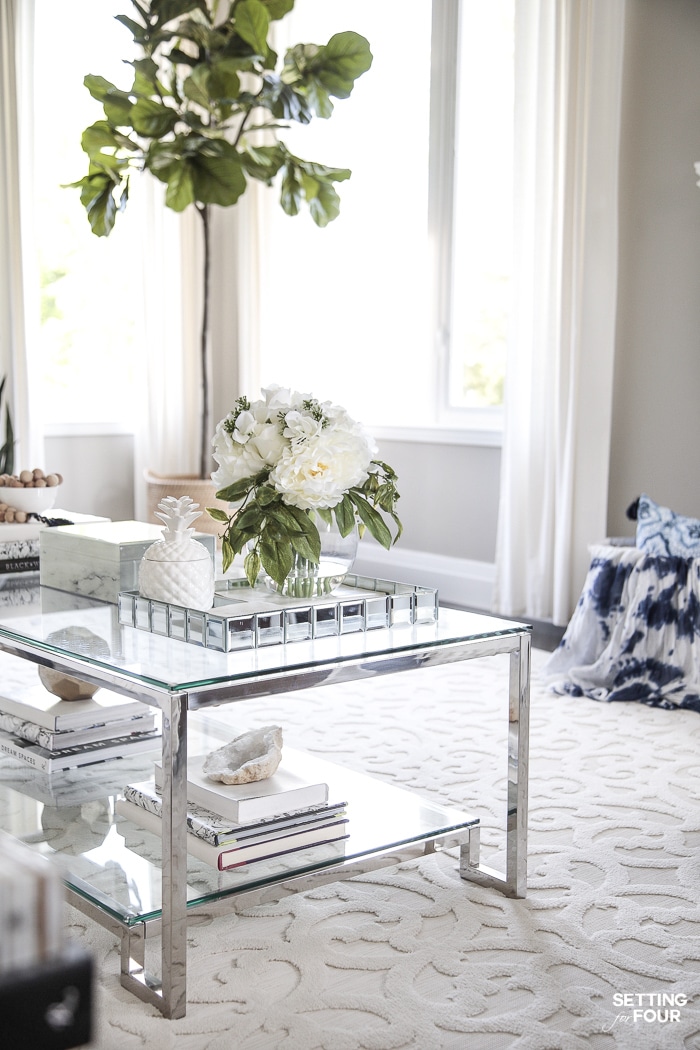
(635, 633)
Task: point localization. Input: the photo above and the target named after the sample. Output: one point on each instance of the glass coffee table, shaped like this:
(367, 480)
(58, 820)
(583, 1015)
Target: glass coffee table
(149, 885)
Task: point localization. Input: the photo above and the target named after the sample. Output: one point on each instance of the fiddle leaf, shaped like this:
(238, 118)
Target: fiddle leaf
(206, 90)
(253, 24)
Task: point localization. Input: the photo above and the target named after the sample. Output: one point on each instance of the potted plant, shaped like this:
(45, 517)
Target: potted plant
(7, 451)
(203, 116)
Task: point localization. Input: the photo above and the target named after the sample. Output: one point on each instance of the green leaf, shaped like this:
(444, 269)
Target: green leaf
(227, 554)
(98, 87)
(101, 134)
(282, 514)
(196, 87)
(325, 514)
(319, 99)
(176, 55)
(323, 201)
(224, 83)
(7, 452)
(218, 180)
(180, 189)
(277, 9)
(117, 104)
(345, 516)
(372, 519)
(102, 213)
(262, 162)
(252, 22)
(291, 194)
(250, 519)
(97, 197)
(265, 495)
(302, 546)
(167, 10)
(146, 78)
(277, 558)
(306, 180)
(152, 118)
(284, 101)
(139, 32)
(309, 528)
(235, 492)
(345, 57)
(217, 514)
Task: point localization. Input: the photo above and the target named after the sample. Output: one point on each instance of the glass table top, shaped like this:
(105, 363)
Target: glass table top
(57, 624)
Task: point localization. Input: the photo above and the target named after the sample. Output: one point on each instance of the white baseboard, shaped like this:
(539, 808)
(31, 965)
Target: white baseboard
(458, 580)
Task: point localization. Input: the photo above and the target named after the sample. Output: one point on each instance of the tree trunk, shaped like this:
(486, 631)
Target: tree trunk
(205, 433)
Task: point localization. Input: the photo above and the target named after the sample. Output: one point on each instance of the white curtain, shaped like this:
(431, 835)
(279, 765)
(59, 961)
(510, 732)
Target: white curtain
(18, 278)
(167, 440)
(170, 263)
(554, 477)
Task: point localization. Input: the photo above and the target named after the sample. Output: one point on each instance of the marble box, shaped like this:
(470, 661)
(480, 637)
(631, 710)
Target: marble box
(100, 559)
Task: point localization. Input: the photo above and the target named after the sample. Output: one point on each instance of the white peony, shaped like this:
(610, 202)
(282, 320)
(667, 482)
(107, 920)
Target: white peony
(253, 444)
(317, 452)
(318, 471)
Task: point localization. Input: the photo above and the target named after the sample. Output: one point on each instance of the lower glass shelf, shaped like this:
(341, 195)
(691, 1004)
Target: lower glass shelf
(115, 865)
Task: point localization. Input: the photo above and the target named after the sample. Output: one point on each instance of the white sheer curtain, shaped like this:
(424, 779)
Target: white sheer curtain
(554, 475)
(18, 281)
(167, 439)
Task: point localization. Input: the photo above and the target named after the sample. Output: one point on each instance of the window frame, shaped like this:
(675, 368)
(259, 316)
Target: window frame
(468, 426)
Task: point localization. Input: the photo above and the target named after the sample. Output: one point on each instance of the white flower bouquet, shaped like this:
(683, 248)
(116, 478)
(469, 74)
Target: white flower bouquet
(285, 460)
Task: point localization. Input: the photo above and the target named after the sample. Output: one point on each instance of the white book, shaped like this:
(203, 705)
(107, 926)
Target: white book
(286, 790)
(99, 751)
(222, 832)
(226, 857)
(37, 734)
(45, 709)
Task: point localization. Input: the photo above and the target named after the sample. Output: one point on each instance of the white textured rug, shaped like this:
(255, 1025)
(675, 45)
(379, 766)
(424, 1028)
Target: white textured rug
(410, 956)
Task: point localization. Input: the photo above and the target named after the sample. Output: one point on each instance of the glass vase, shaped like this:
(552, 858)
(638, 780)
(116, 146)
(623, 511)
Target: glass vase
(307, 580)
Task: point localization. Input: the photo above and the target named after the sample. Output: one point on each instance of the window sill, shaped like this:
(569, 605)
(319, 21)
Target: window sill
(88, 429)
(489, 438)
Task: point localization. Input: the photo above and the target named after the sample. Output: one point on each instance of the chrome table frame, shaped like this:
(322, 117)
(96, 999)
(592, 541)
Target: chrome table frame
(169, 993)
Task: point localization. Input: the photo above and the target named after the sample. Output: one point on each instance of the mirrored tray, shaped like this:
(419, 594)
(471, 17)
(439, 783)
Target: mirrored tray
(244, 618)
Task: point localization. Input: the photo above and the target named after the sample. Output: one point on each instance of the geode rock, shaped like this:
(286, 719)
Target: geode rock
(249, 757)
(78, 640)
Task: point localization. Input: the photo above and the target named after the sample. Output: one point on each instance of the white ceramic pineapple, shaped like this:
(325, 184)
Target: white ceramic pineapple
(178, 569)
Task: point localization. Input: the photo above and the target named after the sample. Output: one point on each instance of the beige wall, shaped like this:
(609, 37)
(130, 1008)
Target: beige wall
(656, 406)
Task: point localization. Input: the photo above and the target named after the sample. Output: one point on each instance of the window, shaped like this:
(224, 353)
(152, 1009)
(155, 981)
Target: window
(90, 287)
(400, 307)
(482, 214)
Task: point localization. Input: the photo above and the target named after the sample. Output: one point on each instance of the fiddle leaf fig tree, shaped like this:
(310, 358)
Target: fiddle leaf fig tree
(206, 92)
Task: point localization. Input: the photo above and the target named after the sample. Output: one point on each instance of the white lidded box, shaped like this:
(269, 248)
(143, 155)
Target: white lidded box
(100, 559)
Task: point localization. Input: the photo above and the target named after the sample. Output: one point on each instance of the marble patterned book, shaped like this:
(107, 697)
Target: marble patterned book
(218, 830)
(233, 856)
(46, 738)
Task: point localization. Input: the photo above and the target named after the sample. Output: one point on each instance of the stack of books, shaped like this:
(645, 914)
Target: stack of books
(233, 825)
(53, 735)
(21, 555)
